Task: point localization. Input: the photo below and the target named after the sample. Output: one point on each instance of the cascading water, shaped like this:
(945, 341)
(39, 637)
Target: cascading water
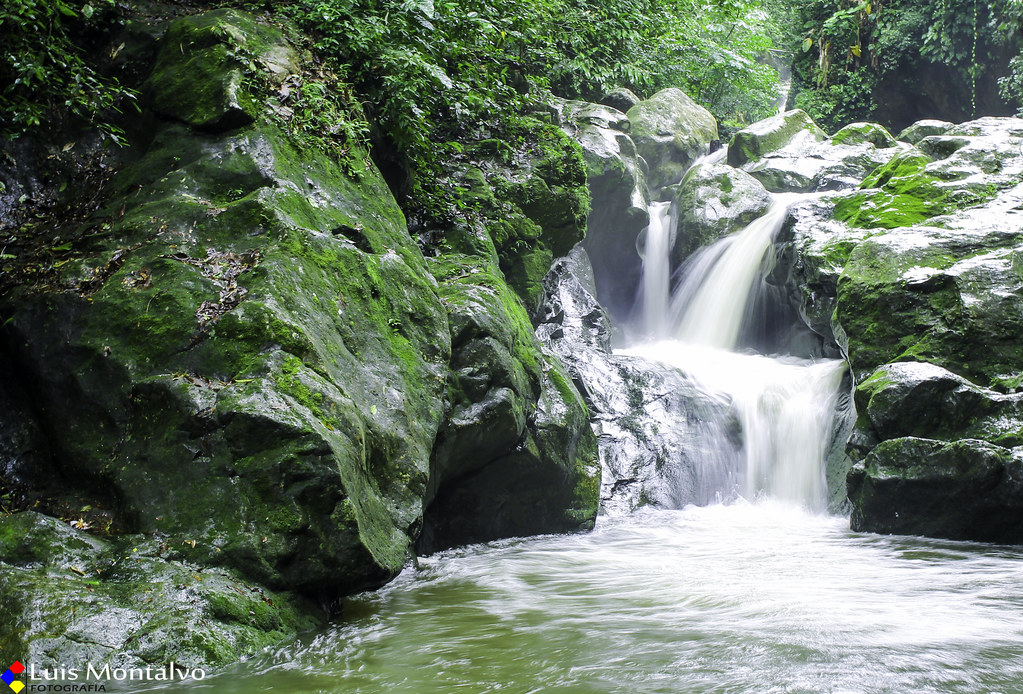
(656, 266)
(785, 405)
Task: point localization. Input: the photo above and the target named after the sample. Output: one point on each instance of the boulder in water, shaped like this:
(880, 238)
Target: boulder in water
(670, 131)
(962, 490)
(515, 454)
(713, 201)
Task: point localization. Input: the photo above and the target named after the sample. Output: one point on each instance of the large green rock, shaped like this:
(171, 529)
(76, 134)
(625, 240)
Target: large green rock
(924, 400)
(67, 597)
(966, 489)
(516, 455)
(936, 295)
(203, 66)
(532, 205)
(243, 350)
(917, 276)
(859, 133)
(713, 201)
(772, 134)
(924, 128)
(789, 153)
(618, 191)
(670, 131)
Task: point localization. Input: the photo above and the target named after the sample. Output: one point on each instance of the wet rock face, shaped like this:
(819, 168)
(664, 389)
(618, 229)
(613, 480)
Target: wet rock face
(652, 423)
(713, 201)
(68, 597)
(671, 131)
(618, 191)
(915, 274)
(515, 454)
(245, 354)
(966, 489)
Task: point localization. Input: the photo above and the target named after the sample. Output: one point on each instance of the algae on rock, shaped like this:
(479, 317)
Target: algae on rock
(245, 355)
(245, 352)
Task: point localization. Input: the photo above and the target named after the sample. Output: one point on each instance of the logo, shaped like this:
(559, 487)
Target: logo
(9, 675)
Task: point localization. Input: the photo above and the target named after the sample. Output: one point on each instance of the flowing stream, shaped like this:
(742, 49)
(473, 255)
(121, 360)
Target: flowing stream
(785, 406)
(757, 598)
(765, 593)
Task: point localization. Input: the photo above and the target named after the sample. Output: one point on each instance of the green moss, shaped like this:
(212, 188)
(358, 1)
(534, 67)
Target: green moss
(836, 253)
(859, 133)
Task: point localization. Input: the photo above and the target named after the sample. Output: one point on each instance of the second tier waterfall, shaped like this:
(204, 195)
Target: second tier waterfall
(785, 406)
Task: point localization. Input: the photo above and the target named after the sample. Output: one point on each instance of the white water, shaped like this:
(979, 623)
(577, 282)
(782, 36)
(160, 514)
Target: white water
(711, 304)
(745, 598)
(785, 406)
(656, 267)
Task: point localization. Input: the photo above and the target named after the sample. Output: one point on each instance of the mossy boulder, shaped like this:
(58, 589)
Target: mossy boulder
(243, 349)
(915, 274)
(963, 490)
(772, 134)
(715, 200)
(859, 133)
(789, 153)
(924, 128)
(515, 455)
(67, 597)
(532, 205)
(670, 131)
(897, 194)
(203, 72)
(924, 400)
(931, 295)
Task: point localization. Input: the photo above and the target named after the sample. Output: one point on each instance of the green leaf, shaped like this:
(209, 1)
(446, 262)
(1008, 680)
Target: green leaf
(807, 44)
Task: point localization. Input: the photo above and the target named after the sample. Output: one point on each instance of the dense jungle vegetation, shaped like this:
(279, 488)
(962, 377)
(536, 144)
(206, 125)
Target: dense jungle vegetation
(430, 75)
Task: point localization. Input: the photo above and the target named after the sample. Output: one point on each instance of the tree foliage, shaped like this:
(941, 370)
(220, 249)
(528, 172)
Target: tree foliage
(853, 54)
(434, 74)
(43, 67)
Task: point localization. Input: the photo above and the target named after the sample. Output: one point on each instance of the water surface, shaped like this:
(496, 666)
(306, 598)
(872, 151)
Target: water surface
(739, 598)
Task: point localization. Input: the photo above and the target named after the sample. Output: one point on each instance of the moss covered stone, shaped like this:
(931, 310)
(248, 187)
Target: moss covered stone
(924, 128)
(515, 455)
(670, 131)
(771, 135)
(528, 208)
(859, 133)
(967, 489)
(898, 194)
(712, 202)
(67, 597)
(250, 354)
(203, 73)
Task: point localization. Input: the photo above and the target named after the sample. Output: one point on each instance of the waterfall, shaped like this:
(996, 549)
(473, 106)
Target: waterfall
(655, 250)
(784, 405)
(710, 306)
